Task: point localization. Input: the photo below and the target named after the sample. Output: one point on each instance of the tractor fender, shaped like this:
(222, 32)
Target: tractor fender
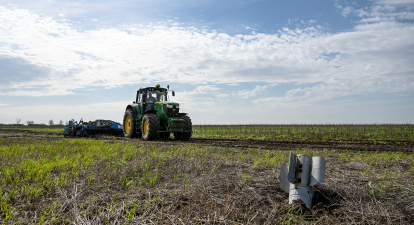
(133, 107)
(182, 114)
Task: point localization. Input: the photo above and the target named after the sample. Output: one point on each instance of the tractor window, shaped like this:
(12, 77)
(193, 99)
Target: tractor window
(156, 96)
(161, 96)
(140, 98)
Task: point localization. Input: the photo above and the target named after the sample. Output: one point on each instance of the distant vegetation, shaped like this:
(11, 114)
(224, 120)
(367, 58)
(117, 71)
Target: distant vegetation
(316, 132)
(327, 132)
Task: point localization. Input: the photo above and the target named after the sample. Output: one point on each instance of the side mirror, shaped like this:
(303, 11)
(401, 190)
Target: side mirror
(133, 102)
(173, 93)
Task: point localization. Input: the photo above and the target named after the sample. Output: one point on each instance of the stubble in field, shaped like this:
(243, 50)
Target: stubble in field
(49, 179)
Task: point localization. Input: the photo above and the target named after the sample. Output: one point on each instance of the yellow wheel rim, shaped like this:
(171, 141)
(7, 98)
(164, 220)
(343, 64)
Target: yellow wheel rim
(127, 124)
(146, 127)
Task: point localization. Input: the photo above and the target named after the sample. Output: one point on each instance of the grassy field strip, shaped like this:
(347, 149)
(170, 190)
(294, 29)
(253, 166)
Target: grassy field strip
(38, 130)
(398, 132)
(134, 182)
(375, 133)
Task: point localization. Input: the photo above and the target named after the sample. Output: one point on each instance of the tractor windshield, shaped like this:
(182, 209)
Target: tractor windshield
(156, 96)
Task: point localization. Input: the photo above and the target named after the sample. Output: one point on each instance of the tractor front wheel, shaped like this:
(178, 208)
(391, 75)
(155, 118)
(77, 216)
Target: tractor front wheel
(150, 127)
(188, 126)
(130, 126)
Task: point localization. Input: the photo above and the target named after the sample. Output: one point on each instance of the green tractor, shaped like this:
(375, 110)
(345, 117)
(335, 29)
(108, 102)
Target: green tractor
(152, 116)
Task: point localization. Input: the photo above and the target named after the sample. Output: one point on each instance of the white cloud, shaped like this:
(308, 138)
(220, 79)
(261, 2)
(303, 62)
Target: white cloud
(205, 89)
(383, 13)
(191, 99)
(46, 92)
(222, 96)
(257, 90)
(394, 2)
(42, 113)
(346, 11)
(378, 52)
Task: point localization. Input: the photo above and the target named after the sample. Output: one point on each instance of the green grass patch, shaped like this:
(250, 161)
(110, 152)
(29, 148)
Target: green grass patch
(32, 171)
(375, 157)
(366, 132)
(40, 130)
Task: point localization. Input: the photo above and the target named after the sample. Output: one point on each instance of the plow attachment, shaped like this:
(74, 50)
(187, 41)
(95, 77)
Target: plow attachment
(98, 126)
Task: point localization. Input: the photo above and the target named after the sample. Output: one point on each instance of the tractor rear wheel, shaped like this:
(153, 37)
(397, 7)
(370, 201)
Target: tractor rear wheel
(188, 126)
(130, 126)
(150, 127)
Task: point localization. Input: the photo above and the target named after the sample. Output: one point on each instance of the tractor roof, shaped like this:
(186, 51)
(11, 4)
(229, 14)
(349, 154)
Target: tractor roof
(153, 88)
(157, 87)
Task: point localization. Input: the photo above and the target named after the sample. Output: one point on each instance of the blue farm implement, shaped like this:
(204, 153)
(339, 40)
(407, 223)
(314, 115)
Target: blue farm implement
(98, 126)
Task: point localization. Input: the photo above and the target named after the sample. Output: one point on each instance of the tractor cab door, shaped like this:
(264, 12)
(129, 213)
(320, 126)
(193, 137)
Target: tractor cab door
(140, 102)
(149, 99)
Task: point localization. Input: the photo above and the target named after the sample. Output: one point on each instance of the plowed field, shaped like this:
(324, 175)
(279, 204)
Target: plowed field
(47, 178)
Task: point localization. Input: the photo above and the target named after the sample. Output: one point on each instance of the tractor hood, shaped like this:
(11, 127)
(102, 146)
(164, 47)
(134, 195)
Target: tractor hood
(166, 103)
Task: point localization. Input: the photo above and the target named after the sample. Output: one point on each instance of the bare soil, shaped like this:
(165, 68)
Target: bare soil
(353, 145)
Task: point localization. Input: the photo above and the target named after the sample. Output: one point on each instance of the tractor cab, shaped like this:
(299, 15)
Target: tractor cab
(151, 95)
(147, 97)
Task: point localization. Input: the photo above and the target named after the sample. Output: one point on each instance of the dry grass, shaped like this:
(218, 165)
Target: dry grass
(179, 183)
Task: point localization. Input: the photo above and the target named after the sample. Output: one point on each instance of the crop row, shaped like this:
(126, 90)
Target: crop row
(328, 132)
(383, 132)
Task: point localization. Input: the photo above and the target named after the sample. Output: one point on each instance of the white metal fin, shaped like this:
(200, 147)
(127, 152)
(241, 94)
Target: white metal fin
(292, 167)
(318, 170)
(284, 183)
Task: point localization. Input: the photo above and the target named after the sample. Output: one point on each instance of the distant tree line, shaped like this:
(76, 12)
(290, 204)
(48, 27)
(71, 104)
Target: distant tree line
(31, 123)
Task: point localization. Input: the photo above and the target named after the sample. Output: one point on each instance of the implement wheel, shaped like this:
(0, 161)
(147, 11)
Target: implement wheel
(188, 127)
(130, 126)
(150, 127)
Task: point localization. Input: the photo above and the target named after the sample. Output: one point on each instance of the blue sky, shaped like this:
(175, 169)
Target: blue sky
(232, 62)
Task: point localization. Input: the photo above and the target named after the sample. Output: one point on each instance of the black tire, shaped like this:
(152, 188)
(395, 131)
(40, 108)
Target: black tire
(188, 127)
(84, 133)
(151, 132)
(164, 135)
(130, 125)
(177, 136)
